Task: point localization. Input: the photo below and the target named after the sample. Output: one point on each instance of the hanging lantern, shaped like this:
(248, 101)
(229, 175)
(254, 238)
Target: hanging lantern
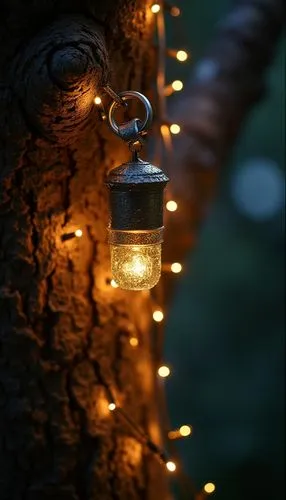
(136, 209)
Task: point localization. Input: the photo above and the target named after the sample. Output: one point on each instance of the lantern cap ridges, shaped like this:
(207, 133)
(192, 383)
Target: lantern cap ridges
(136, 172)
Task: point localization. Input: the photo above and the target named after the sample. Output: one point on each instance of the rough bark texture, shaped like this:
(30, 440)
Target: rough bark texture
(64, 332)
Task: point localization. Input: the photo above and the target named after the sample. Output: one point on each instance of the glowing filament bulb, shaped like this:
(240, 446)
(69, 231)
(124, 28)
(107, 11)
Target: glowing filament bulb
(97, 100)
(112, 406)
(136, 267)
(171, 206)
(209, 487)
(171, 466)
(177, 85)
(176, 267)
(164, 371)
(158, 316)
(175, 129)
(78, 233)
(155, 8)
(182, 55)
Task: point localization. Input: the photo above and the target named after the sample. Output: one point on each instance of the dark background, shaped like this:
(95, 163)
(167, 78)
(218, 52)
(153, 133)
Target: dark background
(225, 326)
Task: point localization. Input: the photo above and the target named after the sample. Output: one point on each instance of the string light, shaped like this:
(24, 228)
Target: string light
(177, 85)
(176, 267)
(158, 316)
(155, 8)
(175, 129)
(179, 54)
(164, 371)
(171, 466)
(209, 488)
(171, 206)
(113, 283)
(112, 406)
(133, 341)
(182, 55)
(182, 432)
(175, 11)
(97, 100)
(185, 430)
(69, 236)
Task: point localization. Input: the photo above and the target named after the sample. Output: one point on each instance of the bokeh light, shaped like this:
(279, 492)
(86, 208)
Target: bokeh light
(155, 8)
(158, 316)
(164, 371)
(171, 466)
(176, 267)
(209, 487)
(175, 128)
(182, 55)
(177, 85)
(258, 189)
(185, 430)
(171, 206)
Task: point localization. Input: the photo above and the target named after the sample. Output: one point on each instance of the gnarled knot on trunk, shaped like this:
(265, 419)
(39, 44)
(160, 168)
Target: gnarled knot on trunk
(57, 75)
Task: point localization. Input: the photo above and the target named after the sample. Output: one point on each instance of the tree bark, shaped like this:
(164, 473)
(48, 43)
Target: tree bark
(64, 331)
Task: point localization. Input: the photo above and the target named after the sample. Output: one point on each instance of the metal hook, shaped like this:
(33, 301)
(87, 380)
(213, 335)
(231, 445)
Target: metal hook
(134, 128)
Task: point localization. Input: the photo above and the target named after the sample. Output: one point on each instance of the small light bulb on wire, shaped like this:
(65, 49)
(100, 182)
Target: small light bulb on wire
(177, 85)
(176, 267)
(182, 55)
(175, 129)
(209, 488)
(155, 8)
(112, 406)
(97, 100)
(171, 466)
(182, 432)
(78, 233)
(175, 11)
(113, 283)
(158, 316)
(133, 341)
(164, 371)
(185, 430)
(171, 206)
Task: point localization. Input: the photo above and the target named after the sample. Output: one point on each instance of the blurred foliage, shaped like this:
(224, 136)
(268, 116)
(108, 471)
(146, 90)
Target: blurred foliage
(225, 330)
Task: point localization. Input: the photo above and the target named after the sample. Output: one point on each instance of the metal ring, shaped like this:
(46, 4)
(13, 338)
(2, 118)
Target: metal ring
(132, 94)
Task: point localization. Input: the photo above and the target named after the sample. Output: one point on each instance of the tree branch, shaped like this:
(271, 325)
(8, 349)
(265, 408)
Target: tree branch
(226, 84)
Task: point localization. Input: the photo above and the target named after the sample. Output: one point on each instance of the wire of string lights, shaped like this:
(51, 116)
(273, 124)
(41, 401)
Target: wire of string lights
(166, 130)
(168, 455)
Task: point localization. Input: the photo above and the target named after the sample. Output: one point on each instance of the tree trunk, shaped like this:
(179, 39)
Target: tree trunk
(64, 331)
